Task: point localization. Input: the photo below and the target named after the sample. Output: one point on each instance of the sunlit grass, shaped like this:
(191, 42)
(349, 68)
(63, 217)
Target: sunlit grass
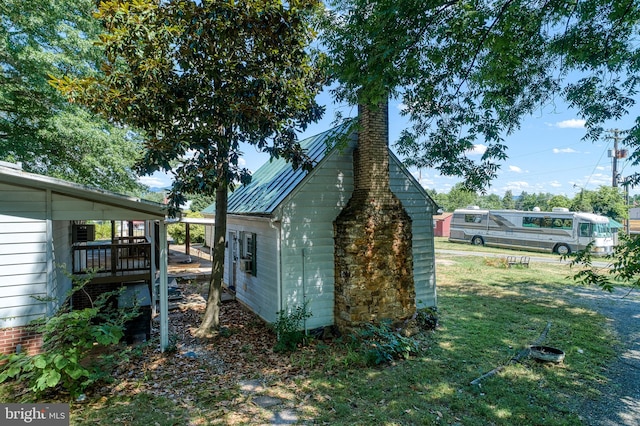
(487, 315)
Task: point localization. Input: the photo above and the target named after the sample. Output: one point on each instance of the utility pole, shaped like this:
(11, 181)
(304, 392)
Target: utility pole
(615, 154)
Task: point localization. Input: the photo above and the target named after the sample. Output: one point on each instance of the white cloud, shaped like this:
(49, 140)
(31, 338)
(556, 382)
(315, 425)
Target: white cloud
(564, 151)
(477, 149)
(424, 179)
(515, 169)
(242, 162)
(574, 123)
(156, 180)
(516, 187)
(555, 184)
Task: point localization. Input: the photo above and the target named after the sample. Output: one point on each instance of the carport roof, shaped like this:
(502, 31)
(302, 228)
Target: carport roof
(91, 201)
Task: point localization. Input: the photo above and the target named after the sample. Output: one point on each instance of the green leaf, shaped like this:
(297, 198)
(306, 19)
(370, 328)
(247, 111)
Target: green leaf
(52, 378)
(39, 361)
(77, 372)
(60, 361)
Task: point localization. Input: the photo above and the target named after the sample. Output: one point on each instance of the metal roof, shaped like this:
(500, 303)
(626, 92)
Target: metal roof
(275, 179)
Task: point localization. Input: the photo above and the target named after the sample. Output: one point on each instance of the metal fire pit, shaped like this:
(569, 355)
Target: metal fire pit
(546, 354)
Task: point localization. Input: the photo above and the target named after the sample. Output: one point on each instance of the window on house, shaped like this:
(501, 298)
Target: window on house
(248, 252)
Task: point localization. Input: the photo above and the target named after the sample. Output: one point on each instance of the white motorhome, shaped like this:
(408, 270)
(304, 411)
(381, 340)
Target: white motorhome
(559, 231)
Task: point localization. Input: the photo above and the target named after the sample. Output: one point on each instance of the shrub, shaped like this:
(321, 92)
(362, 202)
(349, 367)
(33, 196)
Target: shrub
(103, 231)
(381, 344)
(69, 338)
(427, 318)
(288, 328)
(178, 231)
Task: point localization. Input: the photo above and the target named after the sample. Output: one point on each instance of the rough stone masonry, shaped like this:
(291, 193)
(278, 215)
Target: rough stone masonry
(373, 255)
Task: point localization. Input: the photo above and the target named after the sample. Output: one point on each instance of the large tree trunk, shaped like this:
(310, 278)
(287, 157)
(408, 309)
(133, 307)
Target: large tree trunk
(211, 319)
(373, 255)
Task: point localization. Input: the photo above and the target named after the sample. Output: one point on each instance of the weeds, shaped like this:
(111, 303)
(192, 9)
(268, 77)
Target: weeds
(288, 328)
(381, 344)
(70, 338)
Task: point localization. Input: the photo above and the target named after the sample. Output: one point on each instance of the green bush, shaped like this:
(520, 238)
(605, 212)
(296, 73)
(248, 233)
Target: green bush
(382, 345)
(103, 231)
(178, 231)
(427, 318)
(288, 328)
(69, 338)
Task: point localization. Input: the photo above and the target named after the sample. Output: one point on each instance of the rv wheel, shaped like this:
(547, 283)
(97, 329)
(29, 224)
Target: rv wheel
(477, 241)
(563, 249)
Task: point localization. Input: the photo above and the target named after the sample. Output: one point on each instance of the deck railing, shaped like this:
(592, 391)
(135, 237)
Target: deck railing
(125, 254)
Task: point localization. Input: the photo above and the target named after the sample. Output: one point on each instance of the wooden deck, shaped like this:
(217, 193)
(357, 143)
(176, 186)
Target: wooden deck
(128, 257)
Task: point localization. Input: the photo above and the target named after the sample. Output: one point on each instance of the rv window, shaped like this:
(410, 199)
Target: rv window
(547, 222)
(585, 229)
(472, 218)
(531, 222)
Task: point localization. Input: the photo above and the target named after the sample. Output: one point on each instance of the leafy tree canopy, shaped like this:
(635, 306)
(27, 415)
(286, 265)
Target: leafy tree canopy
(38, 127)
(606, 201)
(201, 78)
(471, 70)
(507, 201)
(559, 201)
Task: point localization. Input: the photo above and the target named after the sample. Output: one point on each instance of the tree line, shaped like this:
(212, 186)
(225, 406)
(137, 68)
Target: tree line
(605, 200)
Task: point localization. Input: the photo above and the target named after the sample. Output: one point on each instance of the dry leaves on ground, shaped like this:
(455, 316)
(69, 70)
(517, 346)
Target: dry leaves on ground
(242, 350)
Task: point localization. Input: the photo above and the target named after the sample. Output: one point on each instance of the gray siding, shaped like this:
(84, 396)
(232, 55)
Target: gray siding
(60, 283)
(23, 255)
(307, 238)
(257, 292)
(421, 211)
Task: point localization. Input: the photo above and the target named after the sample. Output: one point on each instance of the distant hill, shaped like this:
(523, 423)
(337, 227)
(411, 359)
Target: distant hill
(158, 189)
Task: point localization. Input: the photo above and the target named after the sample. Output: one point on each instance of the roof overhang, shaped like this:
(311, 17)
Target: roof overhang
(135, 207)
(198, 220)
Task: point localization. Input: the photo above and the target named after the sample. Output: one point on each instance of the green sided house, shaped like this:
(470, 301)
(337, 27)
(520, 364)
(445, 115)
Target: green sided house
(280, 231)
(45, 235)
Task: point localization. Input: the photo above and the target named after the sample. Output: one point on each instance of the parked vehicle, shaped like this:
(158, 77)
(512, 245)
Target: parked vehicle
(559, 231)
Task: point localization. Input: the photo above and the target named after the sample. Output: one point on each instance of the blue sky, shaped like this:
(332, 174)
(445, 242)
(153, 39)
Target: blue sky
(545, 155)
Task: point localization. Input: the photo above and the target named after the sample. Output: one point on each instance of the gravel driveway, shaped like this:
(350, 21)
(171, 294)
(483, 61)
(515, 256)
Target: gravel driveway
(620, 404)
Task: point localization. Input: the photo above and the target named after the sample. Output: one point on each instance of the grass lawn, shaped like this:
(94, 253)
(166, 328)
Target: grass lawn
(488, 313)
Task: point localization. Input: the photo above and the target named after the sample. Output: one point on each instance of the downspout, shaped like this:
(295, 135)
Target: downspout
(150, 231)
(274, 224)
(304, 288)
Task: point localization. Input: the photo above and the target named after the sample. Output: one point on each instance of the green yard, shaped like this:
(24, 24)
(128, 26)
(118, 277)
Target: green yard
(488, 313)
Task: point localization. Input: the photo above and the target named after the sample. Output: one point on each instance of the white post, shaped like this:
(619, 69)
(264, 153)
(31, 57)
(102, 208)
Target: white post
(164, 292)
(150, 229)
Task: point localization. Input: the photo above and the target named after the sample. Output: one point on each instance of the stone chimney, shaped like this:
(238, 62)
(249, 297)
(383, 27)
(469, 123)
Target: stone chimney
(373, 256)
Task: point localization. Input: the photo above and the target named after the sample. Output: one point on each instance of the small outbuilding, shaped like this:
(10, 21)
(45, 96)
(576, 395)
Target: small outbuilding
(280, 231)
(46, 237)
(442, 224)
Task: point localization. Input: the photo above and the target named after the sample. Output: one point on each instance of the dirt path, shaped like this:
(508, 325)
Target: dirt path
(620, 401)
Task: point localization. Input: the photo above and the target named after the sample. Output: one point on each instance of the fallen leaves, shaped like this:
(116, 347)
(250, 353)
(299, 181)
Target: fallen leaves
(242, 350)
